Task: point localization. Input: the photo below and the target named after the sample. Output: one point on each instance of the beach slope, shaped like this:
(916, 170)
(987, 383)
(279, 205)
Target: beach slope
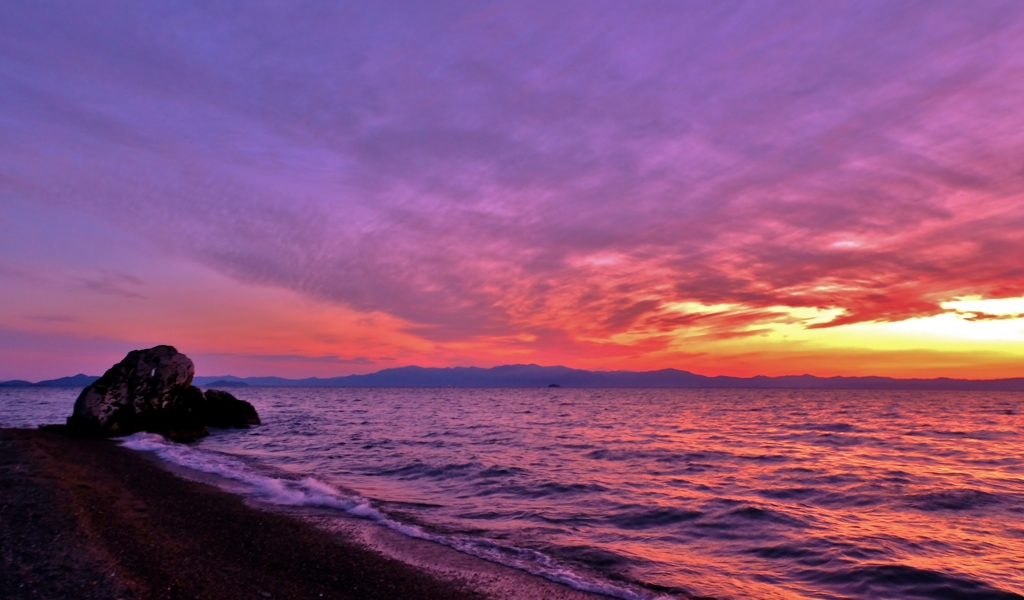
(89, 519)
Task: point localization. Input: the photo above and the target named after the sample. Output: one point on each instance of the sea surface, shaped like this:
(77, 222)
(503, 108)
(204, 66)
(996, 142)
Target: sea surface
(649, 493)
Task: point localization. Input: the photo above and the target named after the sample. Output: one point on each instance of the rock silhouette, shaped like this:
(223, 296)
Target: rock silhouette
(151, 390)
(224, 410)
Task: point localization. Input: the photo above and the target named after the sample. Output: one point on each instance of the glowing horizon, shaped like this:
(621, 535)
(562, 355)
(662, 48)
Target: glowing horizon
(743, 189)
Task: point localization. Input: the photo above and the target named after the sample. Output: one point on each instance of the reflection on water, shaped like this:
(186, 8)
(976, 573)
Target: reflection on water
(726, 493)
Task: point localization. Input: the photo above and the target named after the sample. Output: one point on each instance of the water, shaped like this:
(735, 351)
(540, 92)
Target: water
(651, 493)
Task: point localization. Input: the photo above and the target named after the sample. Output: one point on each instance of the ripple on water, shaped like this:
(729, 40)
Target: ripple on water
(901, 581)
(955, 499)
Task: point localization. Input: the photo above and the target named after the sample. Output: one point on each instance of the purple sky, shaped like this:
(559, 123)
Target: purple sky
(545, 175)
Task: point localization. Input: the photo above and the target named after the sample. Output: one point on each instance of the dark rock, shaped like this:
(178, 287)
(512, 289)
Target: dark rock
(224, 410)
(181, 417)
(151, 390)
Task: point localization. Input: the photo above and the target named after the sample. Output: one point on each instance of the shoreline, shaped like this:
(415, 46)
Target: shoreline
(89, 519)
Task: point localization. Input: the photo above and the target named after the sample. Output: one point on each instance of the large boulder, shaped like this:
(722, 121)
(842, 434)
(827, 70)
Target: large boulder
(150, 390)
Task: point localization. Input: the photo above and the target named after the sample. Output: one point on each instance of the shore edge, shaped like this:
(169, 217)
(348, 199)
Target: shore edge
(86, 518)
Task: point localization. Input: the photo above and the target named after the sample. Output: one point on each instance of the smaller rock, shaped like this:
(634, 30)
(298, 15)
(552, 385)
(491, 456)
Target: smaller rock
(224, 410)
(182, 418)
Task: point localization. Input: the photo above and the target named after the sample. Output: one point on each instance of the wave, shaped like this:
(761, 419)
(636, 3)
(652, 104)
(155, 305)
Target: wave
(593, 557)
(784, 551)
(960, 499)
(910, 582)
(647, 518)
(539, 489)
(756, 513)
(418, 469)
(311, 492)
(663, 456)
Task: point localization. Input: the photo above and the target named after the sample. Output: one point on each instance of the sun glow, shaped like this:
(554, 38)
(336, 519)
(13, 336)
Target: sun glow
(952, 331)
(993, 306)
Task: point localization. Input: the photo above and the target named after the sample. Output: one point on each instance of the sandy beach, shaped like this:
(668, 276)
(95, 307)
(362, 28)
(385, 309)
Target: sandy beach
(88, 519)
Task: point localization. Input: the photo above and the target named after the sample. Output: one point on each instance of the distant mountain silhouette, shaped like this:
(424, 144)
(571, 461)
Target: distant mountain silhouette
(79, 380)
(542, 377)
(223, 383)
(535, 376)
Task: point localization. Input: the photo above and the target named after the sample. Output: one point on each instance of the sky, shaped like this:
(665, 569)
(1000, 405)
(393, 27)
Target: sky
(324, 188)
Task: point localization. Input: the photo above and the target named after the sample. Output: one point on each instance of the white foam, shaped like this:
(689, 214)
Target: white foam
(144, 441)
(315, 493)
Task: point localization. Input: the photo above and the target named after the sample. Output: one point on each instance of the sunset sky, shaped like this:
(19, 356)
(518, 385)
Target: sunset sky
(326, 188)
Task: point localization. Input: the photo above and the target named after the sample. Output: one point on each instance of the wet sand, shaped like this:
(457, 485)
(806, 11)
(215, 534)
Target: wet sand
(89, 519)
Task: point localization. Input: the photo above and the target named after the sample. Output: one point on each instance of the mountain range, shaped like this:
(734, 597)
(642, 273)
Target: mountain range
(79, 380)
(525, 376)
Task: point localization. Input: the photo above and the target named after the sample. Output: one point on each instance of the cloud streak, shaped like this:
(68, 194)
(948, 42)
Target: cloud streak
(124, 285)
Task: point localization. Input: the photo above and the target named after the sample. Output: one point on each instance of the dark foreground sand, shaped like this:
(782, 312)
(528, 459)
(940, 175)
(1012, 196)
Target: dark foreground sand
(89, 519)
